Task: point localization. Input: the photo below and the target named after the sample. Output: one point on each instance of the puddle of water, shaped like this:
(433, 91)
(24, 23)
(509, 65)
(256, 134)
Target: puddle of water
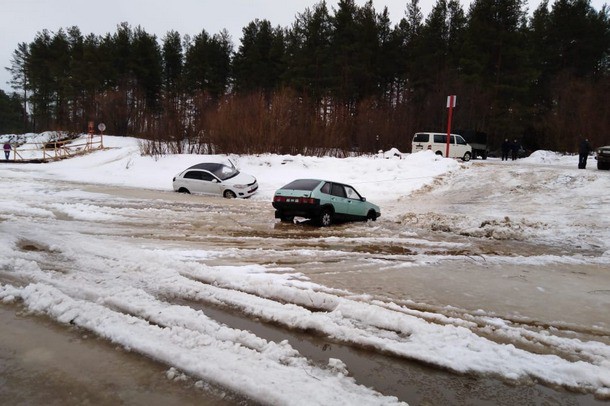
(43, 363)
(412, 382)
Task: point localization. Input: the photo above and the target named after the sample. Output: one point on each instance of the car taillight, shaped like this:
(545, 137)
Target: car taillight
(299, 200)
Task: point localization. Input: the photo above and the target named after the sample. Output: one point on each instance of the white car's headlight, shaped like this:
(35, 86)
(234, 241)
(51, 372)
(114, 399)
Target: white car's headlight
(240, 186)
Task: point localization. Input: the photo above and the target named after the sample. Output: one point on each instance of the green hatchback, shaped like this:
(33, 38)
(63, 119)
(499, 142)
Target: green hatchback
(323, 201)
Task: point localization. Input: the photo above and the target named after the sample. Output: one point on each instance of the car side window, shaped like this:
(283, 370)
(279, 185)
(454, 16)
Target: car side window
(325, 188)
(351, 193)
(420, 137)
(460, 140)
(207, 176)
(338, 190)
(439, 138)
(193, 175)
(452, 139)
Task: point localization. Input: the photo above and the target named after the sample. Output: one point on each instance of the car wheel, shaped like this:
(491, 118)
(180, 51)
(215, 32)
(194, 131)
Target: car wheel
(326, 218)
(229, 194)
(439, 153)
(466, 157)
(184, 190)
(286, 219)
(371, 215)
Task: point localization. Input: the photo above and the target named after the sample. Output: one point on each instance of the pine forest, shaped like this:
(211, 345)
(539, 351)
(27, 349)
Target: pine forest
(337, 80)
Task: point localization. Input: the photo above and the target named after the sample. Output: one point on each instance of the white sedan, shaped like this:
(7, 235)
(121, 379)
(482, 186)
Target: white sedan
(215, 179)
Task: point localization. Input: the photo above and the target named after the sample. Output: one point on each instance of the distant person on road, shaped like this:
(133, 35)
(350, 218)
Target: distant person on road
(515, 147)
(583, 153)
(505, 149)
(7, 150)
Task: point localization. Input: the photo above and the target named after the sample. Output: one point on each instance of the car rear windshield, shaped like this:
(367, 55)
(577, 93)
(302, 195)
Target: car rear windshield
(302, 184)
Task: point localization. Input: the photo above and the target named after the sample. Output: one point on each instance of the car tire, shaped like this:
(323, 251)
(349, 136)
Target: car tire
(286, 219)
(371, 215)
(229, 194)
(326, 217)
(466, 157)
(439, 153)
(184, 190)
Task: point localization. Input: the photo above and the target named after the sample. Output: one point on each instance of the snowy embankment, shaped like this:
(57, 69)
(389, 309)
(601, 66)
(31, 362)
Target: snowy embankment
(133, 293)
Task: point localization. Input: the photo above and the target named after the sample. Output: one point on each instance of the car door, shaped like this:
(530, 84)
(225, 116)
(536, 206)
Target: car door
(339, 200)
(356, 206)
(461, 146)
(203, 182)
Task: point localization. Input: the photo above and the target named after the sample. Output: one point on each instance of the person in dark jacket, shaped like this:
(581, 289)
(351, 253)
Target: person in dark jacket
(583, 153)
(515, 147)
(505, 149)
(7, 150)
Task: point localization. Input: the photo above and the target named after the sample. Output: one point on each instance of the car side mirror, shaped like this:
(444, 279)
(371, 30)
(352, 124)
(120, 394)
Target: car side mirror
(363, 199)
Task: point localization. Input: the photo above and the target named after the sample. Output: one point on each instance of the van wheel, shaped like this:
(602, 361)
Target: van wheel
(439, 153)
(466, 157)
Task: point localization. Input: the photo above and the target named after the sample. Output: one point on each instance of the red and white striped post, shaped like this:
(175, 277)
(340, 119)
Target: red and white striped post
(450, 105)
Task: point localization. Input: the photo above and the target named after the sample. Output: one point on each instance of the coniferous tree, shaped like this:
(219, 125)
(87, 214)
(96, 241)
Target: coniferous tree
(11, 114)
(173, 63)
(40, 80)
(59, 67)
(207, 64)
(571, 45)
(146, 64)
(577, 37)
(20, 77)
(346, 49)
(309, 53)
(388, 68)
(496, 63)
(90, 74)
(259, 61)
(409, 30)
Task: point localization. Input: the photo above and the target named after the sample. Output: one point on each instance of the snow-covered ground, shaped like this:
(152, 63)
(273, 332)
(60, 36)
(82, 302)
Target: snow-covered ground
(122, 288)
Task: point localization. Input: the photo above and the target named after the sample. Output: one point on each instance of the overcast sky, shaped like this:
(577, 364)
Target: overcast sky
(23, 19)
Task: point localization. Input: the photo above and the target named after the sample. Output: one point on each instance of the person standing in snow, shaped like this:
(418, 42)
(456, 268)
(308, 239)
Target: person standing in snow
(583, 153)
(515, 147)
(7, 150)
(505, 149)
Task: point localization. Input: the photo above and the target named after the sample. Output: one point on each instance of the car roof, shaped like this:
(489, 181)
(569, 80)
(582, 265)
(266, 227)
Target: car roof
(208, 166)
(316, 180)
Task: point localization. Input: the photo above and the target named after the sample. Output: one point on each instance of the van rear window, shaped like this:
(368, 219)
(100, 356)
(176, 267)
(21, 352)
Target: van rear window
(421, 137)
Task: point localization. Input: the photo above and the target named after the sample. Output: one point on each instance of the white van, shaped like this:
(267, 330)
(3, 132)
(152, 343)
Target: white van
(437, 142)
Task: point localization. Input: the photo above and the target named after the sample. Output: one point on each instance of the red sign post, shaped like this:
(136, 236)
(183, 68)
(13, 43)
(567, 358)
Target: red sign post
(450, 105)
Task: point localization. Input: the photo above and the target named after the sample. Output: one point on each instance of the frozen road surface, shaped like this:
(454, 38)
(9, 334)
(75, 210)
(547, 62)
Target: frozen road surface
(488, 285)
